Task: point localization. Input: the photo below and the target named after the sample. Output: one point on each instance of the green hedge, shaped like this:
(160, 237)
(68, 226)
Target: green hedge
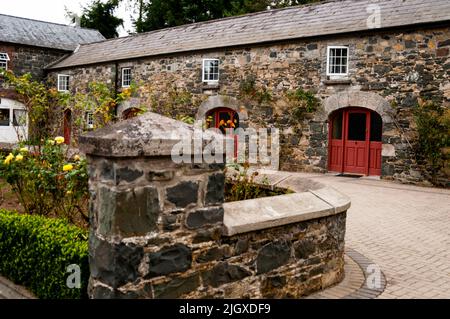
(35, 252)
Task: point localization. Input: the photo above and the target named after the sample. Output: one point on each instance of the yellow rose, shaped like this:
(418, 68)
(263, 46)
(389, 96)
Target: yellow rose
(59, 140)
(51, 142)
(23, 150)
(69, 192)
(19, 158)
(77, 158)
(8, 159)
(67, 167)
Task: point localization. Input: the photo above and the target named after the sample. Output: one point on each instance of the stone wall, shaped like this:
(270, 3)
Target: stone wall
(399, 66)
(28, 59)
(157, 228)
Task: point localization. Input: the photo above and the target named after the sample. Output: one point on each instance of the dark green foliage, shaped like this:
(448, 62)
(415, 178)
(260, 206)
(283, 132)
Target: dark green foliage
(36, 251)
(302, 102)
(159, 14)
(100, 16)
(433, 127)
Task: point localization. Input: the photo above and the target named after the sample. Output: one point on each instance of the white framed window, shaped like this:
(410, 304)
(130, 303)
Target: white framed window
(5, 115)
(4, 58)
(90, 120)
(63, 83)
(126, 77)
(210, 70)
(337, 61)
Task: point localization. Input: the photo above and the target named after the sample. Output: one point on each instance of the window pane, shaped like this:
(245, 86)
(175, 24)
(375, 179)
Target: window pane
(19, 117)
(126, 77)
(337, 127)
(338, 61)
(211, 70)
(376, 125)
(63, 83)
(4, 117)
(357, 126)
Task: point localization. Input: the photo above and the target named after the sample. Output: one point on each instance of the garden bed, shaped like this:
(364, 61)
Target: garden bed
(234, 192)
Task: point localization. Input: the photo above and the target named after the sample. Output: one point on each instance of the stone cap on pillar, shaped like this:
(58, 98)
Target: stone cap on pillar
(150, 134)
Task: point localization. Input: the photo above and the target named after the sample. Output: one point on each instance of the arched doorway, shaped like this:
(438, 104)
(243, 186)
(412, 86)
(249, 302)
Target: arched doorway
(130, 113)
(222, 118)
(226, 120)
(355, 141)
(67, 126)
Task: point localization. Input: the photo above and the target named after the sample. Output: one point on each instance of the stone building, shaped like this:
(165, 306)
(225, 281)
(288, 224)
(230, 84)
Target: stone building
(28, 46)
(340, 79)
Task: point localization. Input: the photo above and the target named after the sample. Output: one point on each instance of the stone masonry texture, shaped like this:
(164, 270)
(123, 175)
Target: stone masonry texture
(145, 242)
(400, 66)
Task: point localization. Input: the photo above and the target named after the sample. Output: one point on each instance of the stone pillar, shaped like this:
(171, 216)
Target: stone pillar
(147, 211)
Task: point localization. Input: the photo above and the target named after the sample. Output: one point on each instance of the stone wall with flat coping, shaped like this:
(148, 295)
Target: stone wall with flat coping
(161, 230)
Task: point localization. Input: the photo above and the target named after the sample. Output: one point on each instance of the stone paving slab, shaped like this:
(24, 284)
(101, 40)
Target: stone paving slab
(9, 290)
(402, 228)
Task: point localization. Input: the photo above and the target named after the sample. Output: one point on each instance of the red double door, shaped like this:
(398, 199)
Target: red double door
(355, 142)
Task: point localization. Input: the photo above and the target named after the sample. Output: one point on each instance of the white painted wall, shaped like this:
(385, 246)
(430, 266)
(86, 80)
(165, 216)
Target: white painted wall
(10, 133)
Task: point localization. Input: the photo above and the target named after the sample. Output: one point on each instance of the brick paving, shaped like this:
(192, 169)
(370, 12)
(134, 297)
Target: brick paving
(402, 228)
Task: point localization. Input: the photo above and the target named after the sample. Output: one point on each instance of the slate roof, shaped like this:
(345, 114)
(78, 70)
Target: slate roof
(333, 17)
(45, 34)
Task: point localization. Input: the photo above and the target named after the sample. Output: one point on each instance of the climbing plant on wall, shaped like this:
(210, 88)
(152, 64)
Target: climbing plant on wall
(37, 99)
(301, 102)
(45, 105)
(171, 100)
(433, 127)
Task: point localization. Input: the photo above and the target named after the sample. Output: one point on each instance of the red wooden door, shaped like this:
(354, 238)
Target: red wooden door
(355, 142)
(336, 142)
(356, 147)
(226, 120)
(376, 144)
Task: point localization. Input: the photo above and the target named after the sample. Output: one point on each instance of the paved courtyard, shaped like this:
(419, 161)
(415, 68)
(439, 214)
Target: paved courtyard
(403, 229)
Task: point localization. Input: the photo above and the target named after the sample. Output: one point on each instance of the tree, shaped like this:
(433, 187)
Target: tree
(159, 14)
(100, 16)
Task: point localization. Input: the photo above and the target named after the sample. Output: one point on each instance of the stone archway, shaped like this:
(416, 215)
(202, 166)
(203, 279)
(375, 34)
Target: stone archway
(361, 100)
(129, 108)
(221, 101)
(367, 100)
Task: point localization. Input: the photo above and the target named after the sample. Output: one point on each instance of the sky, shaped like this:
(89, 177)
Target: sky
(54, 10)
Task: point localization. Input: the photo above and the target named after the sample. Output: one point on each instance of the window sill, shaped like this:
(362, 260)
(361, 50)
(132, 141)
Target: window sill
(210, 86)
(343, 81)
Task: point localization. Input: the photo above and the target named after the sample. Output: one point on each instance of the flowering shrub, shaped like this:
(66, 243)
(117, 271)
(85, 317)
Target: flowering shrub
(45, 182)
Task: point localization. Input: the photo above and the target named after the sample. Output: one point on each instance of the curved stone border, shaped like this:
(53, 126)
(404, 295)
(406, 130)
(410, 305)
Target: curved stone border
(311, 200)
(9, 290)
(365, 292)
